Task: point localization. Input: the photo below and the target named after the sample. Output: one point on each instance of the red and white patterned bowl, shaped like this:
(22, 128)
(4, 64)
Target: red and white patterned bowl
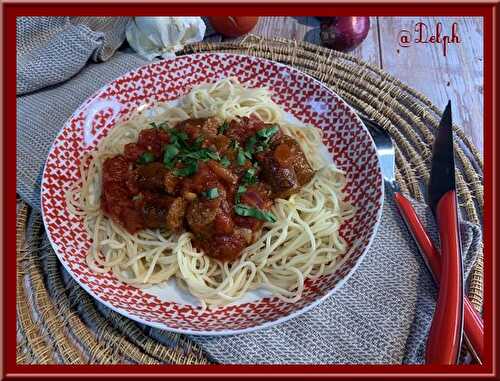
(346, 138)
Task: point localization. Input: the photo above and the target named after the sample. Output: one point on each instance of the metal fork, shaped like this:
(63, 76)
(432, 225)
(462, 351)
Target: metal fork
(385, 150)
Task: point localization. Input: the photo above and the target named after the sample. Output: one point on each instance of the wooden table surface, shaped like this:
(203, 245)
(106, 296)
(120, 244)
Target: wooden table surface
(458, 76)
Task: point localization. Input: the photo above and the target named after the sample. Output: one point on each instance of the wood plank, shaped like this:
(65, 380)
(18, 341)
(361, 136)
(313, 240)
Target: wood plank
(457, 76)
(307, 29)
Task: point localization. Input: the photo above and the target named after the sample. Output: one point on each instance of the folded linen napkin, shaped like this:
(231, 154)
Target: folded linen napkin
(52, 49)
(381, 314)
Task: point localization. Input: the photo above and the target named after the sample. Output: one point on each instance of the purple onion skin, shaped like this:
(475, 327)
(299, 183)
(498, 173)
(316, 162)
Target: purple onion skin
(344, 33)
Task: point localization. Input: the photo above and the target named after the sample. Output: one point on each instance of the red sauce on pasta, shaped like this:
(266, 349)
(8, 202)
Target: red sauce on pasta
(215, 180)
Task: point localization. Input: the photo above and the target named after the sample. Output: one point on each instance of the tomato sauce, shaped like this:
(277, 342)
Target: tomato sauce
(216, 180)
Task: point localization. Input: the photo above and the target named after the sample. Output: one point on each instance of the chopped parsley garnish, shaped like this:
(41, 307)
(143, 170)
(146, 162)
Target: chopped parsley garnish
(146, 157)
(211, 193)
(251, 141)
(225, 162)
(202, 154)
(249, 176)
(240, 157)
(170, 152)
(177, 137)
(248, 211)
(188, 170)
(260, 141)
(199, 141)
(224, 126)
(241, 189)
(181, 151)
(266, 133)
(214, 155)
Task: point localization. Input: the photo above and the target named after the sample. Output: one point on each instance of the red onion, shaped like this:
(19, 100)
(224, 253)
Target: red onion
(344, 33)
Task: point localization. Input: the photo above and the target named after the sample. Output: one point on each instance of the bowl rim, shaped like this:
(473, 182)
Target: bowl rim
(224, 332)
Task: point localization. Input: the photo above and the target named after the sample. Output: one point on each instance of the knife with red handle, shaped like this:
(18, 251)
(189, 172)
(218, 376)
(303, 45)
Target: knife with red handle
(473, 323)
(443, 344)
(445, 337)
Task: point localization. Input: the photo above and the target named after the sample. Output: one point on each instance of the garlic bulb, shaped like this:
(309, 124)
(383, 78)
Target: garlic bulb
(163, 36)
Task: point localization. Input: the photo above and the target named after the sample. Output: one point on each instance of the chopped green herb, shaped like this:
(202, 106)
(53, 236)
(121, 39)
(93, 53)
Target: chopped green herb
(260, 141)
(211, 193)
(188, 170)
(241, 189)
(146, 157)
(202, 154)
(198, 141)
(178, 137)
(249, 176)
(170, 152)
(247, 211)
(251, 141)
(224, 126)
(225, 162)
(267, 132)
(214, 155)
(240, 158)
(153, 124)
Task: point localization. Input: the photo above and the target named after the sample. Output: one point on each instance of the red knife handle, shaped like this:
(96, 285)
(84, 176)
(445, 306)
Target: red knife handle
(443, 344)
(473, 323)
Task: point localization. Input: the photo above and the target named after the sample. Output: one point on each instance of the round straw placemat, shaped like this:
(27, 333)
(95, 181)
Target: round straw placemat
(58, 322)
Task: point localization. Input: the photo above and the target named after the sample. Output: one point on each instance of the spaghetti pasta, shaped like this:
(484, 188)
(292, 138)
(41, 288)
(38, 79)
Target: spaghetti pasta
(303, 243)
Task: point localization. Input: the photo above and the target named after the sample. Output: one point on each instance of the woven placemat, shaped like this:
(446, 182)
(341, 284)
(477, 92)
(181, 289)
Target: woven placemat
(58, 322)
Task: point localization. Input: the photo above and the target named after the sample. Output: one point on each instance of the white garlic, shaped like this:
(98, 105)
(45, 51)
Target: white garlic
(163, 36)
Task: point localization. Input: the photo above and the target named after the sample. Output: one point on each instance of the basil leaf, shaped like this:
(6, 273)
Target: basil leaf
(170, 152)
(178, 137)
(225, 162)
(260, 140)
(241, 189)
(250, 145)
(196, 155)
(213, 155)
(247, 211)
(223, 128)
(249, 176)
(202, 154)
(267, 132)
(240, 158)
(146, 157)
(211, 193)
(198, 141)
(188, 170)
